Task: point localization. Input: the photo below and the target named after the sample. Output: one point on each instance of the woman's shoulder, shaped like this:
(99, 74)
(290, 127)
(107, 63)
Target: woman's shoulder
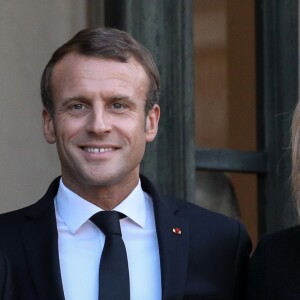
(275, 266)
(290, 235)
(280, 247)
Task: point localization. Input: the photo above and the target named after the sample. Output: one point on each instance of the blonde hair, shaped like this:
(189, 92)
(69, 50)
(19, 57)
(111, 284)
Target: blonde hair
(295, 144)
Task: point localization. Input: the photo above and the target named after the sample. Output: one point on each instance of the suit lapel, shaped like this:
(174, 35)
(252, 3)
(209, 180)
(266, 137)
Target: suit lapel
(173, 246)
(41, 247)
(173, 249)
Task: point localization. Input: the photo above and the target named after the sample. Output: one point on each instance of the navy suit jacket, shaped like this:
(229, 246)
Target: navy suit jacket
(7, 288)
(208, 260)
(275, 267)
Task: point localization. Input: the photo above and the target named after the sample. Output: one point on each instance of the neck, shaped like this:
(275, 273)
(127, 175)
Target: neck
(105, 197)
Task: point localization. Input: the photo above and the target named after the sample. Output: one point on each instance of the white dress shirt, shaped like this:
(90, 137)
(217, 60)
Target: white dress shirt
(80, 244)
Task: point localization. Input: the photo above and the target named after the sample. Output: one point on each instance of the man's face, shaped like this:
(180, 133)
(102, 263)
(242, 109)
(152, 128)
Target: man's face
(99, 124)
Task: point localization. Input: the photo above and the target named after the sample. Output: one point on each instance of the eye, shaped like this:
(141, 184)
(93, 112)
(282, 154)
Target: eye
(117, 106)
(77, 106)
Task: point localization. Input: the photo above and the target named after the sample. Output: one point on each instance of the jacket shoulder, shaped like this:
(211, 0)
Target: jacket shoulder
(280, 244)
(207, 217)
(274, 266)
(212, 227)
(43, 205)
(14, 216)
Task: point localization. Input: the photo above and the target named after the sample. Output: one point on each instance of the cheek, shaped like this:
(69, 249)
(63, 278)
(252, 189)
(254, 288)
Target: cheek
(70, 127)
(65, 135)
(133, 128)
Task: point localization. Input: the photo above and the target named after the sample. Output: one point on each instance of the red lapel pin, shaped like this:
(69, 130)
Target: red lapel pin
(177, 230)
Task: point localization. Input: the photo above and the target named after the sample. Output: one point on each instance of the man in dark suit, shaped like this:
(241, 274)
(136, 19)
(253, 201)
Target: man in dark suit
(7, 288)
(100, 95)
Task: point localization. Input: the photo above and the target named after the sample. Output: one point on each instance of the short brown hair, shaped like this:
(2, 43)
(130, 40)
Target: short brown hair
(103, 43)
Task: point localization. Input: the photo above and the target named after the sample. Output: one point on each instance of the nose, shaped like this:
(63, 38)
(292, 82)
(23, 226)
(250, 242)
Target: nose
(99, 121)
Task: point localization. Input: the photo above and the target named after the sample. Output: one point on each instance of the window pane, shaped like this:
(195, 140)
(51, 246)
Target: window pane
(225, 100)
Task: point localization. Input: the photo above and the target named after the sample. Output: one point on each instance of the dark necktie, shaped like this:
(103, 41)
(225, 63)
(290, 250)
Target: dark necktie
(113, 273)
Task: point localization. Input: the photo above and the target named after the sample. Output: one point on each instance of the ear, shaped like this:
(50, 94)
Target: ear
(49, 131)
(152, 123)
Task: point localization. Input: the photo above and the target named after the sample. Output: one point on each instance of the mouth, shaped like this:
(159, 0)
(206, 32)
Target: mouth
(98, 150)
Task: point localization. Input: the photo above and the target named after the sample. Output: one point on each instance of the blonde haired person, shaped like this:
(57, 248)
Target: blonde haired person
(275, 265)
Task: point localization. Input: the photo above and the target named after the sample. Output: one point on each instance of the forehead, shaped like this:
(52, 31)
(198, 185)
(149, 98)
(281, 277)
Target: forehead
(76, 67)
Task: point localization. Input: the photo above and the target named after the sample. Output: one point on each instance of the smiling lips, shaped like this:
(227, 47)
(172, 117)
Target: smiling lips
(98, 150)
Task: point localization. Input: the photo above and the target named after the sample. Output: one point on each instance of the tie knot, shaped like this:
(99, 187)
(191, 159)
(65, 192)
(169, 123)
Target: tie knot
(108, 222)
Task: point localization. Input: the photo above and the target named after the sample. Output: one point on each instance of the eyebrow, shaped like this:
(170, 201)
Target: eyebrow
(74, 98)
(120, 97)
(81, 98)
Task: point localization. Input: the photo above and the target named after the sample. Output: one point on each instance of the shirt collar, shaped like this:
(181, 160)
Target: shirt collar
(75, 211)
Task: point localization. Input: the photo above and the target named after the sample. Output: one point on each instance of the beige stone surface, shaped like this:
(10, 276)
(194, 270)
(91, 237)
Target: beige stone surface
(30, 31)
